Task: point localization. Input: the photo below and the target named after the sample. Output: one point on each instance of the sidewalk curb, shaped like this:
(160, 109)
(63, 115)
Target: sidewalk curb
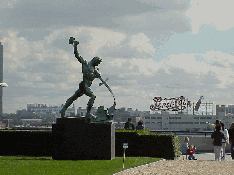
(138, 166)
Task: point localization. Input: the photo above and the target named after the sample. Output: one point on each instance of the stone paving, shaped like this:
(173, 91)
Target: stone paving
(209, 156)
(204, 165)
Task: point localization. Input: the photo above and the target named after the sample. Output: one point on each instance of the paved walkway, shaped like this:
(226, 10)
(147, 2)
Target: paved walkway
(210, 156)
(204, 164)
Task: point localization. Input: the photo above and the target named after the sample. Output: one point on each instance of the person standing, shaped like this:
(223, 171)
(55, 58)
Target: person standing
(129, 125)
(224, 143)
(217, 137)
(214, 125)
(184, 146)
(231, 139)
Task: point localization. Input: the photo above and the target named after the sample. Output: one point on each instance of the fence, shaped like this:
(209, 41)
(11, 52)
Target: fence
(201, 133)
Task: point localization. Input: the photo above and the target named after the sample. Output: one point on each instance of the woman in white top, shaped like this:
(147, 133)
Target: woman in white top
(225, 132)
(184, 146)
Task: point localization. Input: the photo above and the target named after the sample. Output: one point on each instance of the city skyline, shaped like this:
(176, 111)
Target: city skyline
(149, 49)
(203, 109)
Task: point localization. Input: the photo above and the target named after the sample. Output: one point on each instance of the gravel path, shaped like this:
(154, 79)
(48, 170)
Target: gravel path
(182, 167)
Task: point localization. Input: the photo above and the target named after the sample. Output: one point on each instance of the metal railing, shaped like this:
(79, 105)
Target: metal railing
(205, 133)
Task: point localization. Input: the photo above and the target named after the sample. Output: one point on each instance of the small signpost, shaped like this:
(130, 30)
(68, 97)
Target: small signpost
(125, 145)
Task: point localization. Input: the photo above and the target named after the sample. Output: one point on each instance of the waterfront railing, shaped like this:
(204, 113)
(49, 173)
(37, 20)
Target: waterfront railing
(199, 133)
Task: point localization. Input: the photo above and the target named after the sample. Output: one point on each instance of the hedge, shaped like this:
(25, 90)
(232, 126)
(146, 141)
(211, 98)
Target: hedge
(27, 143)
(147, 144)
(140, 144)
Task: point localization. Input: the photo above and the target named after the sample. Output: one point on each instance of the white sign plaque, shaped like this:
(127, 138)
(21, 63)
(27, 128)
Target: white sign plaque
(125, 145)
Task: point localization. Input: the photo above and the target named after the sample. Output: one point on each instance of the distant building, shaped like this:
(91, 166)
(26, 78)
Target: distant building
(82, 112)
(31, 122)
(4, 124)
(224, 110)
(44, 109)
(121, 116)
(220, 110)
(186, 122)
(229, 109)
(1, 77)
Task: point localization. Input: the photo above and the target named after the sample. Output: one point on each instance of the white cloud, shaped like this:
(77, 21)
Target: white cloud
(8, 3)
(64, 86)
(217, 56)
(134, 67)
(215, 13)
(188, 63)
(156, 22)
(117, 62)
(37, 45)
(141, 43)
(147, 67)
(35, 77)
(103, 37)
(131, 46)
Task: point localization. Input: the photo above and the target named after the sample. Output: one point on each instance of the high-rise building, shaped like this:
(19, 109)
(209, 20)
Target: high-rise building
(1, 76)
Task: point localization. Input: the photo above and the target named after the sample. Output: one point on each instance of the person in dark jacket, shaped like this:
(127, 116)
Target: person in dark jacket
(214, 125)
(129, 125)
(231, 139)
(217, 137)
(140, 125)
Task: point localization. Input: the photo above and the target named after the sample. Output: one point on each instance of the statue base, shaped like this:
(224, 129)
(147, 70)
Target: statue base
(76, 139)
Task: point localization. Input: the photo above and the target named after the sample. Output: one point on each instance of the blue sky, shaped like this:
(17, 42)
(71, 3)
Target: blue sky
(149, 48)
(207, 39)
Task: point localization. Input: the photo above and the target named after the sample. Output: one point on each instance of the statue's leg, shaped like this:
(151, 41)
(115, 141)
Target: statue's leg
(69, 101)
(91, 101)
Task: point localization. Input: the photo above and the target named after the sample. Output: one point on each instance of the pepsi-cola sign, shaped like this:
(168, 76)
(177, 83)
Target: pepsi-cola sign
(174, 104)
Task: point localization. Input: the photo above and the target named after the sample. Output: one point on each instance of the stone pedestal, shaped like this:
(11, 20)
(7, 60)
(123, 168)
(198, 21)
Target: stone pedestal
(75, 139)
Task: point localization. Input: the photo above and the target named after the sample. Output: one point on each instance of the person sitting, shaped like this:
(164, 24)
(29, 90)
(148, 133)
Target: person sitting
(191, 152)
(140, 125)
(129, 125)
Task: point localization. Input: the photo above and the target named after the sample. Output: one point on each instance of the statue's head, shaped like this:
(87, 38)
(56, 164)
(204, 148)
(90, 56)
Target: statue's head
(96, 61)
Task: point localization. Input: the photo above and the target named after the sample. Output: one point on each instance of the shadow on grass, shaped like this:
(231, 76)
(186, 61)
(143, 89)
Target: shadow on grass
(24, 158)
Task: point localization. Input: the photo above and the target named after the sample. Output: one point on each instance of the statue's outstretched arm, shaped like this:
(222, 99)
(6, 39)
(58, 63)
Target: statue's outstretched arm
(104, 82)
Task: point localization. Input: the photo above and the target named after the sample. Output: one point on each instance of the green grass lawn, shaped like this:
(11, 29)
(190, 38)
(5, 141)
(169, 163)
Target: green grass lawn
(47, 166)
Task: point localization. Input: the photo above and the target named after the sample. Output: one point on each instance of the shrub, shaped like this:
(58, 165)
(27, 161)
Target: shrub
(147, 144)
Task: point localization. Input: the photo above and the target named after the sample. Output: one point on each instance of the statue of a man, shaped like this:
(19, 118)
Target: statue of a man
(89, 74)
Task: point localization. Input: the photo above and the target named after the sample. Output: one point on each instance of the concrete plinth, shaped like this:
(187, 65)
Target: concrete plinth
(75, 139)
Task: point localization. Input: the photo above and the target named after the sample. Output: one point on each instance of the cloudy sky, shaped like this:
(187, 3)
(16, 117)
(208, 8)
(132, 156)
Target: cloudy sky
(149, 48)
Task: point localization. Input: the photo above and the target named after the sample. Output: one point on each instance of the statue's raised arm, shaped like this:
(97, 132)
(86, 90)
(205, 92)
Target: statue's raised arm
(77, 55)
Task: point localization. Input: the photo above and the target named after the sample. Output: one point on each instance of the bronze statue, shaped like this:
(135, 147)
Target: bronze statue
(90, 72)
